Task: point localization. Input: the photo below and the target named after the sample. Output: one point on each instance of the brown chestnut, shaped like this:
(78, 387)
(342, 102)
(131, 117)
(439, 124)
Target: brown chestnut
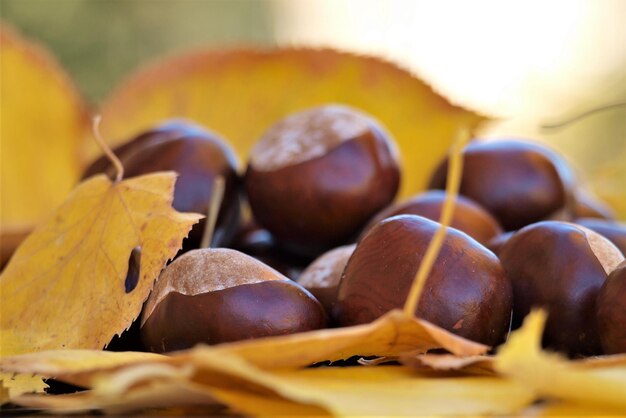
(466, 293)
(214, 296)
(322, 276)
(560, 266)
(253, 240)
(199, 157)
(316, 177)
(611, 311)
(496, 243)
(613, 231)
(519, 182)
(587, 206)
(468, 216)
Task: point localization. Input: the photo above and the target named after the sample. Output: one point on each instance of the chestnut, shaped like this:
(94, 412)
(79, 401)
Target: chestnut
(199, 157)
(253, 240)
(468, 216)
(322, 276)
(467, 292)
(586, 206)
(220, 295)
(613, 231)
(519, 182)
(496, 243)
(317, 176)
(560, 266)
(611, 311)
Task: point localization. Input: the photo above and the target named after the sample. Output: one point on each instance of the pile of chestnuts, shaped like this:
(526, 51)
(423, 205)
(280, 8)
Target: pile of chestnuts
(309, 237)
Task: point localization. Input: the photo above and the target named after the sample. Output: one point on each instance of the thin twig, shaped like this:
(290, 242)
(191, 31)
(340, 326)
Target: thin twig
(119, 168)
(455, 169)
(583, 115)
(214, 207)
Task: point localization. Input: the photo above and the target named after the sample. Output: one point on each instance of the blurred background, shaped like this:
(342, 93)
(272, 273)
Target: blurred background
(527, 62)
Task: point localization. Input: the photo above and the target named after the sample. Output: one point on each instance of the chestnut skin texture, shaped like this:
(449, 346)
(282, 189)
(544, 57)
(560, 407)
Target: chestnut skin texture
(611, 312)
(468, 216)
(466, 293)
(552, 265)
(518, 182)
(321, 203)
(199, 157)
(264, 309)
(613, 231)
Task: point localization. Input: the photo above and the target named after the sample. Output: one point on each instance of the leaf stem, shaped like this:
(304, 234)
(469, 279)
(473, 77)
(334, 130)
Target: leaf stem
(214, 207)
(455, 170)
(119, 168)
(583, 115)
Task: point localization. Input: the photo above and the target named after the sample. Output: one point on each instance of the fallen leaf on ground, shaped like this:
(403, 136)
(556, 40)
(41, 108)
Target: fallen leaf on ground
(552, 376)
(155, 395)
(76, 367)
(43, 125)
(16, 384)
(241, 93)
(476, 365)
(390, 335)
(67, 286)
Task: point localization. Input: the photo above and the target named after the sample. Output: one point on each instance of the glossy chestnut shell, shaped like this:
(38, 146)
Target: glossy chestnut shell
(316, 177)
(466, 293)
(519, 182)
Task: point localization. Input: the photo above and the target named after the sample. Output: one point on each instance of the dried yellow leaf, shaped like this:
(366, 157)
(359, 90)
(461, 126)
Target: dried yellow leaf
(240, 93)
(43, 122)
(66, 286)
(552, 376)
(16, 384)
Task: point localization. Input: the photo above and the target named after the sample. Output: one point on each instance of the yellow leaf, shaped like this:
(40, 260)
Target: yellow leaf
(43, 122)
(16, 384)
(240, 93)
(390, 335)
(66, 286)
(77, 367)
(152, 396)
(476, 365)
(554, 377)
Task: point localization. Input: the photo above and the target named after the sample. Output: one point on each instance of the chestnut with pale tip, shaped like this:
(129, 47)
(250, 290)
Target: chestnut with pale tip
(611, 311)
(323, 275)
(199, 157)
(466, 292)
(316, 177)
(519, 182)
(214, 296)
(612, 230)
(560, 266)
(468, 216)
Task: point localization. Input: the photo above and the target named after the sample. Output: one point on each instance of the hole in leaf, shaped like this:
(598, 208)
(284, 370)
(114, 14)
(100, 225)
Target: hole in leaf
(132, 277)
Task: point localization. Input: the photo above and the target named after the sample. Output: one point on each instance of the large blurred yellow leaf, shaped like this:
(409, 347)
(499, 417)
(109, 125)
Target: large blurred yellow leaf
(43, 122)
(240, 93)
(552, 376)
(66, 286)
